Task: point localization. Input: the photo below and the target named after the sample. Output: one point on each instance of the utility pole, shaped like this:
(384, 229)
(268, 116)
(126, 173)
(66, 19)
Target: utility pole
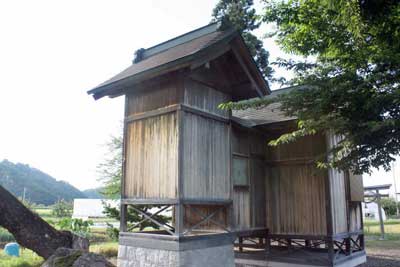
(396, 195)
(23, 196)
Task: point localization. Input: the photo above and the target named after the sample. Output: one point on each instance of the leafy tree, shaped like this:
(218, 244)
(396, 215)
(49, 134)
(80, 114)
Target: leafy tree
(242, 15)
(390, 206)
(77, 226)
(110, 169)
(111, 175)
(62, 209)
(352, 85)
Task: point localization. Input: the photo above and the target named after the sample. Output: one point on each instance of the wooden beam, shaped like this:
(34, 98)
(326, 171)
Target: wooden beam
(149, 201)
(153, 220)
(204, 113)
(218, 51)
(152, 113)
(246, 70)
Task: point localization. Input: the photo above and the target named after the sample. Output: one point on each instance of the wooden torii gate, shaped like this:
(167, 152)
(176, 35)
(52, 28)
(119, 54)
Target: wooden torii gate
(373, 194)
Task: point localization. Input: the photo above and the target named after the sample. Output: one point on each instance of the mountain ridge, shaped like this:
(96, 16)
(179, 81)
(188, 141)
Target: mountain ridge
(40, 187)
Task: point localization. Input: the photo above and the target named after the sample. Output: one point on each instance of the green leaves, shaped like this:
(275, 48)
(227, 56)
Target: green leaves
(242, 16)
(354, 82)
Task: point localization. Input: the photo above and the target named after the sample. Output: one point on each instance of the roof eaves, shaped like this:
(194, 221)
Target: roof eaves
(264, 82)
(182, 62)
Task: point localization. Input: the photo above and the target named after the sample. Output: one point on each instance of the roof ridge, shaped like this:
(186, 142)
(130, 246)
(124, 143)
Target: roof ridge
(181, 39)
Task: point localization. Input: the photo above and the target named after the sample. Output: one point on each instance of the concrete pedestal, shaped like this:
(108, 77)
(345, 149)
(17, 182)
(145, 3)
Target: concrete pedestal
(155, 250)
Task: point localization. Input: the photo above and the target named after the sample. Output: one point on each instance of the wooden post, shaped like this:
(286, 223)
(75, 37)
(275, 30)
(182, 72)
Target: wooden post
(331, 251)
(122, 227)
(349, 251)
(124, 207)
(267, 245)
(179, 212)
(378, 200)
(362, 245)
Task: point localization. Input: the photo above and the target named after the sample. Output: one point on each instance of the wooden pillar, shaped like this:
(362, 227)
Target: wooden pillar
(362, 244)
(179, 213)
(124, 207)
(331, 251)
(267, 245)
(349, 251)
(378, 200)
(122, 227)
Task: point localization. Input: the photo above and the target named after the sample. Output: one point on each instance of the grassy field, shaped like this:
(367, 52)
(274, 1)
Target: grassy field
(27, 259)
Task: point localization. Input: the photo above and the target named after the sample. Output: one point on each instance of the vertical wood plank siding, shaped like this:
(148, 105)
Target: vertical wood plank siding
(205, 98)
(157, 95)
(205, 174)
(249, 201)
(207, 158)
(355, 217)
(295, 188)
(152, 158)
(257, 189)
(241, 207)
(338, 193)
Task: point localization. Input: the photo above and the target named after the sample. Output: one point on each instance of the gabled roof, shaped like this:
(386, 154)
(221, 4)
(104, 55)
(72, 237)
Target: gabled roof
(172, 55)
(263, 116)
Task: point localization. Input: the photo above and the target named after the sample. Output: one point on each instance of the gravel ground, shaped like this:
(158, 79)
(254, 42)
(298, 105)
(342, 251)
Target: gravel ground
(382, 257)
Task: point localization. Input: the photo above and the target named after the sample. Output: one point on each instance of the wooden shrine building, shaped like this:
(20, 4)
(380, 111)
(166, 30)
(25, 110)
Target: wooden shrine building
(213, 168)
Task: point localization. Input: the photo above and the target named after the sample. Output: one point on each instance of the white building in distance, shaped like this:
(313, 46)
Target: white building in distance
(91, 208)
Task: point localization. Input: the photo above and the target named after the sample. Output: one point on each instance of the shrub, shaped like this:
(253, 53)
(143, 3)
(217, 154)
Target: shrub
(389, 205)
(62, 209)
(77, 226)
(6, 236)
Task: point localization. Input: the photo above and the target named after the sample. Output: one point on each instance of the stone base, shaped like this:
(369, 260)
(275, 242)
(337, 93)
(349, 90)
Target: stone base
(154, 250)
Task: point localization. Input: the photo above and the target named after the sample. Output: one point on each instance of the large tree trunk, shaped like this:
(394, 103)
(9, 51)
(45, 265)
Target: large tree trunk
(29, 229)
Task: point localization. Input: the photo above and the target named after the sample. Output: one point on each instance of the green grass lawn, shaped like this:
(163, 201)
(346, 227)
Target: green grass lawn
(392, 228)
(27, 259)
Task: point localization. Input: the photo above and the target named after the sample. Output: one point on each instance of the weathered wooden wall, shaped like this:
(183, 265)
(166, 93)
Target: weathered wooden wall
(337, 181)
(249, 201)
(151, 142)
(206, 155)
(205, 141)
(152, 158)
(160, 93)
(295, 188)
(339, 198)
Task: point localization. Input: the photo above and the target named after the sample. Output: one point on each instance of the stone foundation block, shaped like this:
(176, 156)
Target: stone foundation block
(154, 250)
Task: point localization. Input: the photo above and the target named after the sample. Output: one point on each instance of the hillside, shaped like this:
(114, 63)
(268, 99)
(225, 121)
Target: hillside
(41, 188)
(93, 193)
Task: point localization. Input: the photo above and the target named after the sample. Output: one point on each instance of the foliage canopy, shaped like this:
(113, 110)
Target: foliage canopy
(352, 84)
(242, 16)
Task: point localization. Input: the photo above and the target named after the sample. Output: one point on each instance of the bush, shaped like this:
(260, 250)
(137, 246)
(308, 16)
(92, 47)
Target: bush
(389, 205)
(62, 209)
(77, 226)
(112, 232)
(5, 236)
